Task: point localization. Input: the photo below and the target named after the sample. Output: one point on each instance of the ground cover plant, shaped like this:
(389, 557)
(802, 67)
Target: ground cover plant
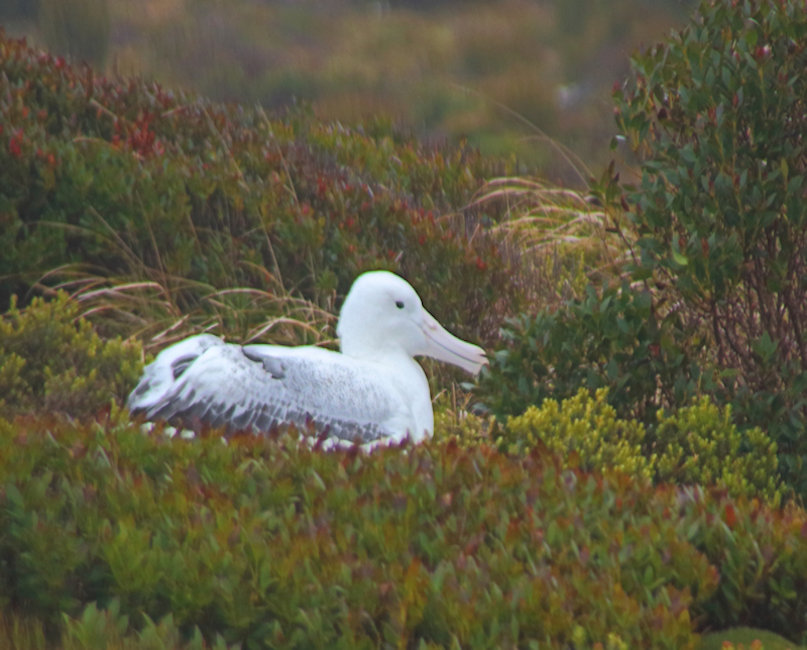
(53, 360)
(698, 444)
(269, 543)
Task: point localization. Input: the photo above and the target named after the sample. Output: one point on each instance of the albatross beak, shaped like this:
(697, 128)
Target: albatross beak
(444, 346)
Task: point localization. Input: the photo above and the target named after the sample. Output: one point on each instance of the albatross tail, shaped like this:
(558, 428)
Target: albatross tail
(160, 376)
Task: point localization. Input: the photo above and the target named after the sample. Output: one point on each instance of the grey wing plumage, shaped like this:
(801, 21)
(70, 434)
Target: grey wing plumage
(203, 380)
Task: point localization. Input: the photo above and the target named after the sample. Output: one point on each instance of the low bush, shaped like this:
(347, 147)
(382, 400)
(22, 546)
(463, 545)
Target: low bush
(266, 542)
(700, 444)
(614, 339)
(760, 553)
(108, 628)
(695, 445)
(584, 431)
(53, 361)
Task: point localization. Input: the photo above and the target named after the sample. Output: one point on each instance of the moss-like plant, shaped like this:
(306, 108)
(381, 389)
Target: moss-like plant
(52, 360)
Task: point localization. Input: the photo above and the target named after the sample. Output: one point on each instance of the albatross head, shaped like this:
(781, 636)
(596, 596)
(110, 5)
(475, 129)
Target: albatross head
(382, 312)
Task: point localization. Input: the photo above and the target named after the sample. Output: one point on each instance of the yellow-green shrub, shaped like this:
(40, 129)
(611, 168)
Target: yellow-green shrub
(584, 428)
(463, 427)
(697, 444)
(52, 360)
(701, 444)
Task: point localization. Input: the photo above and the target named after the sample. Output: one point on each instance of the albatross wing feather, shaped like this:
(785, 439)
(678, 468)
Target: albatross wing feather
(258, 387)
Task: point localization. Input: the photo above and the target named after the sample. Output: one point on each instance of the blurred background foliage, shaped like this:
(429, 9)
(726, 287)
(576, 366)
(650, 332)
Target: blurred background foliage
(516, 77)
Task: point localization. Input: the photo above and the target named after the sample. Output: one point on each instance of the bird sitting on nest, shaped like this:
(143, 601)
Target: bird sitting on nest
(372, 391)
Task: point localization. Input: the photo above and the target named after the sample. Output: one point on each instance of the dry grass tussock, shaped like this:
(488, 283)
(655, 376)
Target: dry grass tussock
(563, 238)
(161, 313)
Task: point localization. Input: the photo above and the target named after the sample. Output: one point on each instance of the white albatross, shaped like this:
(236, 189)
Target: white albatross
(373, 391)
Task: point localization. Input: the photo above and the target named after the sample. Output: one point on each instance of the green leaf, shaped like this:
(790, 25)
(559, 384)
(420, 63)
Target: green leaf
(679, 258)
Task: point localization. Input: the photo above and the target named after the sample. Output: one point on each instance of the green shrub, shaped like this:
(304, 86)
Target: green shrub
(612, 339)
(700, 444)
(695, 445)
(717, 115)
(270, 543)
(52, 361)
(108, 628)
(716, 303)
(761, 557)
(266, 542)
(585, 432)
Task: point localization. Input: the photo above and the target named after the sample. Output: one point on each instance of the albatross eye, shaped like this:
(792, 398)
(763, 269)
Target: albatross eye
(399, 304)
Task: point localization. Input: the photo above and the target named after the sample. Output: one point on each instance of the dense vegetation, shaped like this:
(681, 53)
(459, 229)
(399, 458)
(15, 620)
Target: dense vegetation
(503, 73)
(104, 181)
(713, 300)
(640, 484)
(271, 544)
